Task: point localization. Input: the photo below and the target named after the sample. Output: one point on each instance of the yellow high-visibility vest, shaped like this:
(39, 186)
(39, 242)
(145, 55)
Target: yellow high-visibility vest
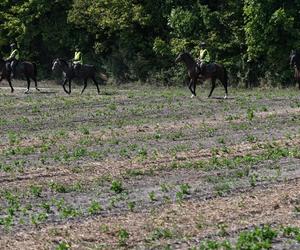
(78, 57)
(204, 55)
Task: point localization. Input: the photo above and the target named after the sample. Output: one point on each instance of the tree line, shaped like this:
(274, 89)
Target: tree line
(135, 40)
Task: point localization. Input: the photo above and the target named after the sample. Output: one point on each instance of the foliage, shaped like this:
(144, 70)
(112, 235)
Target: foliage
(138, 40)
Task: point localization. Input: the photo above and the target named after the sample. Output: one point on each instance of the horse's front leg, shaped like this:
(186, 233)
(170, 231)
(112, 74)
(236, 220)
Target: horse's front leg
(70, 82)
(64, 84)
(194, 86)
(84, 86)
(10, 84)
(190, 87)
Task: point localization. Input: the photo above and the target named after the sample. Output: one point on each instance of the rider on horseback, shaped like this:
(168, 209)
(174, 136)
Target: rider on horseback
(77, 60)
(13, 58)
(204, 57)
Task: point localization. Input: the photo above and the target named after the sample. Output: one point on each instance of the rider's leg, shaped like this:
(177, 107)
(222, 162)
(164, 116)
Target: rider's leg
(13, 65)
(202, 67)
(77, 67)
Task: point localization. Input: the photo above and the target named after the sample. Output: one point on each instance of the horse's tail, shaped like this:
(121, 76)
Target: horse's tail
(34, 69)
(103, 77)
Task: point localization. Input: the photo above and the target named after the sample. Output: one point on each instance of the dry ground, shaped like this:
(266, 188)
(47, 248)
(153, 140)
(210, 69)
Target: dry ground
(148, 168)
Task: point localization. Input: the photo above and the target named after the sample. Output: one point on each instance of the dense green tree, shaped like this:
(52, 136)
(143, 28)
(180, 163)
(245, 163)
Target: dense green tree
(138, 40)
(39, 27)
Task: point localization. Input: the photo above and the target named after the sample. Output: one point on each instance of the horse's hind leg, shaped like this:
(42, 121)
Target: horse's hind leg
(35, 83)
(28, 85)
(225, 87)
(96, 83)
(84, 86)
(213, 82)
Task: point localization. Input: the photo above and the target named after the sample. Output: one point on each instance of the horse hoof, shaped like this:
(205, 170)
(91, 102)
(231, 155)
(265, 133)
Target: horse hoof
(192, 96)
(225, 97)
(37, 89)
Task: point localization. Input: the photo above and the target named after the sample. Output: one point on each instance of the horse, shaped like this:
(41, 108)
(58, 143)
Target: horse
(295, 63)
(27, 69)
(85, 72)
(196, 73)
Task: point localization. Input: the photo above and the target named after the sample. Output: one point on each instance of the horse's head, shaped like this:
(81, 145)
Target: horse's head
(55, 64)
(294, 59)
(179, 58)
(59, 63)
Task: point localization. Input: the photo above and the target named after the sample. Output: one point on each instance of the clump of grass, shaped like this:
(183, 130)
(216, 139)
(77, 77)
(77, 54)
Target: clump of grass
(13, 138)
(94, 208)
(161, 233)
(84, 130)
(117, 186)
(36, 190)
(152, 196)
(63, 246)
(123, 236)
(250, 114)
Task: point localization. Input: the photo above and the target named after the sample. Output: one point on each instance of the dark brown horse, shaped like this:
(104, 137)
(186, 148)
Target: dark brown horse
(85, 72)
(217, 71)
(295, 63)
(26, 69)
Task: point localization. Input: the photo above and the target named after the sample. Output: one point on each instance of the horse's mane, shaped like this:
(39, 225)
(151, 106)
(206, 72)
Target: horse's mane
(63, 61)
(185, 53)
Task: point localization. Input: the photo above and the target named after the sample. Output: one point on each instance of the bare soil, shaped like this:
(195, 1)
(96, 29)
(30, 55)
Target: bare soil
(141, 167)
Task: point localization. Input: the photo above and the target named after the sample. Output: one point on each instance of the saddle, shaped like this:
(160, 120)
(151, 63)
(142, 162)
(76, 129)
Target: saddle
(76, 68)
(11, 66)
(207, 68)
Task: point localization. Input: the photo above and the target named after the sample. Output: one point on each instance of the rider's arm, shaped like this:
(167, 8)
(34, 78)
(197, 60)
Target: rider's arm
(12, 55)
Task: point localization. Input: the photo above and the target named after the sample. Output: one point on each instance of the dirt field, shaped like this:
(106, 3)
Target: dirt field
(149, 168)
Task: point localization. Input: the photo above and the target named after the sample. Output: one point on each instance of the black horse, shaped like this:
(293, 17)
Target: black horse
(295, 63)
(85, 72)
(27, 69)
(195, 73)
